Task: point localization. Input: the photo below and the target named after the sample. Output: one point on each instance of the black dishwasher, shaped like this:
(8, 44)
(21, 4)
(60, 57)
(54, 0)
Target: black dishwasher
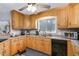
(59, 47)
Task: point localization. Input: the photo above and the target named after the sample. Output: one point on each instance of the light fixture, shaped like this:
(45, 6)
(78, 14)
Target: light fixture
(34, 9)
(31, 8)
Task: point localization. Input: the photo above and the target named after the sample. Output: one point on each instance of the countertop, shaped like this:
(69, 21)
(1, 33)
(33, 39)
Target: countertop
(3, 38)
(51, 37)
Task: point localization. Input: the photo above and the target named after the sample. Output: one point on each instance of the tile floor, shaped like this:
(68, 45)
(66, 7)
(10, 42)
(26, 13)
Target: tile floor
(31, 52)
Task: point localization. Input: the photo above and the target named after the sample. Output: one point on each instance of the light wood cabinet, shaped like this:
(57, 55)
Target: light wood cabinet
(21, 21)
(25, 42)
(68, 16)
(22, 44)
(15, 19)
(47, 46)
(75, 47)
(33, 42)
(70, 47)
(7, 48)
(44, 45)
(1, 49)
(40, 44)
(29, 42)
(73, 21)
(33, 21)
(62, 18)
(27, 22)
(14, 46)
(76, 51)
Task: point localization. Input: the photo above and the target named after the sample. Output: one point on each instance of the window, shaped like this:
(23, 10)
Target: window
(47, 24)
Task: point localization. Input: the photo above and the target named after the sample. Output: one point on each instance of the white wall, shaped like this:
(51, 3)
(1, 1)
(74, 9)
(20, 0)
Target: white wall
(2, 25)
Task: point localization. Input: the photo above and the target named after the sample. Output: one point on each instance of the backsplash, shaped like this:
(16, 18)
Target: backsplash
(15, 32)
(58, 32)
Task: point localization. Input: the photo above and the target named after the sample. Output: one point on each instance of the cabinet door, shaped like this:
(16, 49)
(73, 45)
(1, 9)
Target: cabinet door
(25, 42)
(39, 45)
(7, 48)
(14, 46)
(21, 44)
(47, 46)
(21, 21)
(1, 49)
(62, 17)
(73, 11)
(70, 48)
(77, 51)
(75, 47)
(27, 22)
(32, 42)
(71, 15)
(29, 42)
(76, 20)
(15, 19)
(33, 21)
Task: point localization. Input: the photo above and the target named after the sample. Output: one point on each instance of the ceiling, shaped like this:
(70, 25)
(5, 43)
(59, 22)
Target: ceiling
(5, 9)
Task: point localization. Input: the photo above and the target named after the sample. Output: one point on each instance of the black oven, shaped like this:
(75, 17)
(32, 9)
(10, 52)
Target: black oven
(59, 47)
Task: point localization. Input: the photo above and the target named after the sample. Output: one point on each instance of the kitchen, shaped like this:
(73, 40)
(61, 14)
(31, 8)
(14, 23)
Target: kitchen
(39, 29)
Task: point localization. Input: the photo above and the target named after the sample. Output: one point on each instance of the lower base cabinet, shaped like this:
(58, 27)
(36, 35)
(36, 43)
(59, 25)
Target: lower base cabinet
(40, 44)
(29, 40)
(7, 48)
(1, 49)
(47, 47)
(70, 47)
(14, 46)
(25, 43)
(22, 44)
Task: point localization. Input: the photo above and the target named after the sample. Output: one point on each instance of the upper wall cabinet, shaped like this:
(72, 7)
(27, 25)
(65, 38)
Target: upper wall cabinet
(15, 19)
(68, 17)
(27, 24)
(19, 20)
(73, 15)
(62, 17)
(33, 21)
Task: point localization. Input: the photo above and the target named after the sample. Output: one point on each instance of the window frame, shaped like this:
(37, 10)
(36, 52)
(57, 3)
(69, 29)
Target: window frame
(45, 18)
